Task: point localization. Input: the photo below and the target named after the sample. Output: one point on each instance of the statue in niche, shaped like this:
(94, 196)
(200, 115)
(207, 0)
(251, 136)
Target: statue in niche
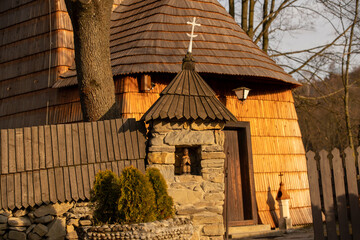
(186, 163)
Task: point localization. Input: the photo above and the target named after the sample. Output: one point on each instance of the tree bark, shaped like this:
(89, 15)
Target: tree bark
(250, 31)
(91, 26)
(244, 14)
(232, 8)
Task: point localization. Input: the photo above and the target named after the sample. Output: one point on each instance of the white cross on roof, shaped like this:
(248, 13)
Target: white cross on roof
(193, 23)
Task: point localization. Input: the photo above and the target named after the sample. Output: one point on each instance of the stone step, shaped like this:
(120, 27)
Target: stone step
(249, 231)
(256, 235)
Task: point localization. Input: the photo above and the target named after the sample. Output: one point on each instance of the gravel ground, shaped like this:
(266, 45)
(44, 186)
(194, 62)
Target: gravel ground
(295, 234)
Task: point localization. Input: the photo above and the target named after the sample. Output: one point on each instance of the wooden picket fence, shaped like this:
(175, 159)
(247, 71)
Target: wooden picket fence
(334, 194)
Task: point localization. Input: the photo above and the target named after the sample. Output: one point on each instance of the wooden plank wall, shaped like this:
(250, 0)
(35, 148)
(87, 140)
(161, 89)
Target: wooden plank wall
(339, 196)
(36, 45)
(53, 163)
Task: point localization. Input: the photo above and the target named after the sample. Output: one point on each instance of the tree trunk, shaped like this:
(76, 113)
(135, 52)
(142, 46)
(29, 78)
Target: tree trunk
(250, 31)
(91, 25)
(244, 14)
(345, 76)
(232, 8)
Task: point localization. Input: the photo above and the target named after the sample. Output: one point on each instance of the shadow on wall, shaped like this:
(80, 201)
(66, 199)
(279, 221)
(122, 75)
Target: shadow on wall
(271, 203)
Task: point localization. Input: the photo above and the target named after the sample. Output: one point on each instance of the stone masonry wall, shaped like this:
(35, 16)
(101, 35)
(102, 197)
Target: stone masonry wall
(199, 197)
(53, 221)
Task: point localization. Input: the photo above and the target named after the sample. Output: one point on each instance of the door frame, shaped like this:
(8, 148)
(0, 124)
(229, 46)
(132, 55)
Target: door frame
(246, 153)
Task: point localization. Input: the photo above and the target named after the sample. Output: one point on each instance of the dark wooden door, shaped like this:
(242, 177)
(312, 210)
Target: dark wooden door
(240, 205)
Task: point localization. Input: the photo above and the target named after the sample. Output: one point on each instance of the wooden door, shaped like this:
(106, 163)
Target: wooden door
(240, 205)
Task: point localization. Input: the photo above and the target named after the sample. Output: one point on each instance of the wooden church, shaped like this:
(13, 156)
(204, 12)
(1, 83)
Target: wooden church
(148, 42)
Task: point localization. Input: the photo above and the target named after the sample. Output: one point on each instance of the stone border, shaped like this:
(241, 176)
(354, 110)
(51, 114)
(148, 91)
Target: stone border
(174, 228)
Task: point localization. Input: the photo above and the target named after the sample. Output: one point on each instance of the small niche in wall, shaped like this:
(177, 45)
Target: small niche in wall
(187, 160)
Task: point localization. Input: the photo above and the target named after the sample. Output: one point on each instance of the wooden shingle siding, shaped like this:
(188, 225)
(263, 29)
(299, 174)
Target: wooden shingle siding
(57, 163)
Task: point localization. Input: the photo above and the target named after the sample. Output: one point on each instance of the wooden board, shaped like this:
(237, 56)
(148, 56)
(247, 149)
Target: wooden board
(352, 192)
(338, 172)
(328, 196)
(315, 196)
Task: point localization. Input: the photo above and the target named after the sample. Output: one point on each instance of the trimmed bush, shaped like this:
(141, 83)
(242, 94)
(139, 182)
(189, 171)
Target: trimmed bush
(164, 203)
(137, 200)
(105, 194)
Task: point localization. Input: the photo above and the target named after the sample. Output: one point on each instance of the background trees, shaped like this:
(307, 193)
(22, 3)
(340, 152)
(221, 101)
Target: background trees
(327, 104)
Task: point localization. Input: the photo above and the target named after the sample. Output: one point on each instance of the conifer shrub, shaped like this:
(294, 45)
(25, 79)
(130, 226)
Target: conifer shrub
(137, 198)
(164, 203)
(105, 195)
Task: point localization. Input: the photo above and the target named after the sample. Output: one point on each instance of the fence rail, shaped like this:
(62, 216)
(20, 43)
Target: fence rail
(334, 194)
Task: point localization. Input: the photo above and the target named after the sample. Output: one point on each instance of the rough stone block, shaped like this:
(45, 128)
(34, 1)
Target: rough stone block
(219, 137)
(3, 226)
(16, 235)
(161, 158)
(41, 230)
(212, 148)
(207, 218)
(3, 219)
(215, 209)
(6, 213)
(53, 209)
(164, 148)
(201, 126)
(73, 222)
(214, 197)
(216, 178)
(189, 178)
(19, 221)
(29, 229)
(213, 163)
(185, 185)
(167, 126)
(44, 219)
(19, 229)
(187, 137)
(166, 170)
(213, 229)
(188, 209)
(157, 140)
(70, 232)
(212, 155)
(211, 187)
(185, 196)
(85, 222)
(57, 229)
(33, 236)
(20, 213)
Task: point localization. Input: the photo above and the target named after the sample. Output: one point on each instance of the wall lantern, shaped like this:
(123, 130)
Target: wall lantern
(242, 93)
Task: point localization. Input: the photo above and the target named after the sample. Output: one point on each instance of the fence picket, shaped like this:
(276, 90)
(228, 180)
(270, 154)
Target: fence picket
(328, 196)
(338, 171)
(353, 192)
(315, 196)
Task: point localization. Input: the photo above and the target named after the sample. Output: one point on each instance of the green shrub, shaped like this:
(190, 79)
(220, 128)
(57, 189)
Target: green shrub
(105, 195)
(137, 200)
(164, 203)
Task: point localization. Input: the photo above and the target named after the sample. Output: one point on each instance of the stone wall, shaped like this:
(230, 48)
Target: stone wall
(199, 197)
(53, 221)
(174, 229)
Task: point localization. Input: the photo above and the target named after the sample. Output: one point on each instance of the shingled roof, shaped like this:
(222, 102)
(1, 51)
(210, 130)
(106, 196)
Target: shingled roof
(188, 97)
(150, 36)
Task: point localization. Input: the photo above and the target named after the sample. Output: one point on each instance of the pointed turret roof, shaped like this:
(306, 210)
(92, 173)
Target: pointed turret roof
(188, 97)
(150, 36)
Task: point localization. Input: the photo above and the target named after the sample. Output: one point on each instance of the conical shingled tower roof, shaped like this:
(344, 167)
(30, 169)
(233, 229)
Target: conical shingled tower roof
(188, 97)
(150, 36)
